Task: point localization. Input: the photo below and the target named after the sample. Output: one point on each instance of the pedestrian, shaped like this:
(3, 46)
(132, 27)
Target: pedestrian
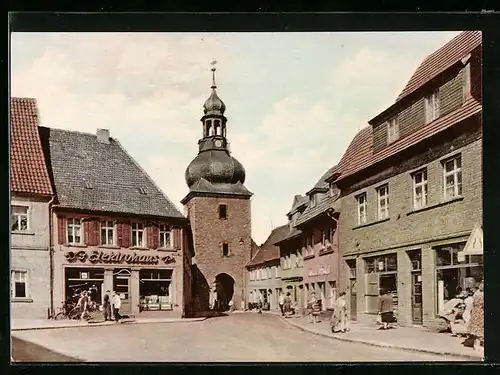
(83, 304)
(117, 304)
(386, 309)
(281, 302)
(314, 309)
(260, 305)
(339, 318)
(476, 322)
(288, 305)
(106, 306)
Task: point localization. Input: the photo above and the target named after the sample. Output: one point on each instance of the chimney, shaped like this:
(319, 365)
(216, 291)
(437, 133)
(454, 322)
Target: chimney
(103, 135)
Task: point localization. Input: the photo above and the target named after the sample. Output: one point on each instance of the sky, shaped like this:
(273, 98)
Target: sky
(294, 101)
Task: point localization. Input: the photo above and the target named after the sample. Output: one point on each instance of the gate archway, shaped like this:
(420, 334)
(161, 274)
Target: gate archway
(224, 285)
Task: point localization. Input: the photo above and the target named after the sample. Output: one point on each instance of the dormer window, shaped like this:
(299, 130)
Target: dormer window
(392, 130)
(333, 190)
(141, 191)
(312, 200)
(432, 107)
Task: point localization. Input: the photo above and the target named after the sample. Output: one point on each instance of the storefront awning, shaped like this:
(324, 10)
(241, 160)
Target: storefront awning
(474, 245)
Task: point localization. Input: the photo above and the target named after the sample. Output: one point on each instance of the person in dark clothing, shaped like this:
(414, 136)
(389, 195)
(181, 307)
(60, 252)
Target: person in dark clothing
(107, 306)
(386, 308)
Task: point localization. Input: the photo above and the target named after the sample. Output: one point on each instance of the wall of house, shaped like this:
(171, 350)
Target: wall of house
(271, 284)
(408, 229)
(30, 252)
(209, 234)
(116, 257)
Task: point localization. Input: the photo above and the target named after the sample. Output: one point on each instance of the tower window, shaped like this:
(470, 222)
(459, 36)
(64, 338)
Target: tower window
(225, 250)
(222, 211)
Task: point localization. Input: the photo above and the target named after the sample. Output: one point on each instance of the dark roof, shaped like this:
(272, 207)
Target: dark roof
(320, 208)
(298, 201)
(268, 251)
(92, 175)
(202, 186)
(28, 170)
(440, 60)
(322, 184)
(292, 233)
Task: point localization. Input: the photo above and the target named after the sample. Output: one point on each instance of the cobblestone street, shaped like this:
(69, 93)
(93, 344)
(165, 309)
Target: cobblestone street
(246, 337)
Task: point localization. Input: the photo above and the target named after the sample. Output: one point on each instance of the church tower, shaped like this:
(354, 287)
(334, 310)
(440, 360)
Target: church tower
(218, 207)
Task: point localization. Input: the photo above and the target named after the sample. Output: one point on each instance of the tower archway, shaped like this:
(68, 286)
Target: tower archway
(224, 285)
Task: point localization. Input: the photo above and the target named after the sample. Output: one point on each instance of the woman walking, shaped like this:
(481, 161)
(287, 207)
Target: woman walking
(386, 309)
(339, 318)
(476, 322)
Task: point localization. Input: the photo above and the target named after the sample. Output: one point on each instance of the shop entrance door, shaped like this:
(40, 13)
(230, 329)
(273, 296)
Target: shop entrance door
(354, 299)
(121, 286)
(416, 298)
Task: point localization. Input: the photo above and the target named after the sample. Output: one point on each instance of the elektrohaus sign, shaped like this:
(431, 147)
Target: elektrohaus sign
(116, 257)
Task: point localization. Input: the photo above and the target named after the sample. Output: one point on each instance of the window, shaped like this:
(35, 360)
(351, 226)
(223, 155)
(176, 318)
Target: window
(222, 211)
(19, 284)
(165, 237)
(334, 190)
(312, 200)
(74, 231)
(225, 249)
(432, 107)
(19, 218)
(466, 87)
(107, 232)
(361, 208)
(452, 177)
(137, 235)
(419, 189)
(392, 130)
(141, 191)
(383, 202)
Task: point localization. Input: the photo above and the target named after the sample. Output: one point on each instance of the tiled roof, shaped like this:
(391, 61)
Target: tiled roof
(436, 63)
(113, 177)
(28, 170)
(359, 154)
(268, 251)
(298, 201)
(322, 206)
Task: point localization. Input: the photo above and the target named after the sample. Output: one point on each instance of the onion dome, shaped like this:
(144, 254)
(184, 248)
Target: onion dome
(214, 105)
(216, 167)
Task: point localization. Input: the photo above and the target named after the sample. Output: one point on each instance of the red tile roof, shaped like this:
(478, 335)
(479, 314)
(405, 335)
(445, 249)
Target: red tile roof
(268, 251)
(28, 170)
(437, 62)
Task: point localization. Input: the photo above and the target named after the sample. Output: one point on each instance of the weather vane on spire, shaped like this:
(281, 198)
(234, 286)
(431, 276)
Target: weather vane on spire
(213, 63)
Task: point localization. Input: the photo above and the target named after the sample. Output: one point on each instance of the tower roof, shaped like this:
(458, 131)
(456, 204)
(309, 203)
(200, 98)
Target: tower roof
(214, 105)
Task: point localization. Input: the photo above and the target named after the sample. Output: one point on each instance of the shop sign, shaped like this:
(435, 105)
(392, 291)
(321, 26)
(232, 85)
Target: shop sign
(321, 271)
(116, 257)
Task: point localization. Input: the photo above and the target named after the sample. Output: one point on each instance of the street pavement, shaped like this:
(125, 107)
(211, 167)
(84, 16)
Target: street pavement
(244, 337)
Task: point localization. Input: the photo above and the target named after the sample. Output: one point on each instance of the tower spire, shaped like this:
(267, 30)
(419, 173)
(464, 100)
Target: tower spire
(213, 63)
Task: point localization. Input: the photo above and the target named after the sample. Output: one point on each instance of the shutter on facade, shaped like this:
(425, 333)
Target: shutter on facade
(126, 234)
(86, 232)
(155, 234)
(119, 235)
(61, 229)
(94, 227)
(372, 292)
(177, 237)
(149, 235)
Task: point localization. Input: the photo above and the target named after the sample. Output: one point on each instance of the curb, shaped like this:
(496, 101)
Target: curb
(380, 344)
(188, 320)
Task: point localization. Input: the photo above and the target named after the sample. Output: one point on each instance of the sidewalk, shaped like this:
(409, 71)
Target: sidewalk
(35, 324)
(403, 338)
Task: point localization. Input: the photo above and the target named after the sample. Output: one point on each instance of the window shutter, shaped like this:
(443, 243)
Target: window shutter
(176, 232)
(126, 234)
(93, 239)
(86, 231)
(61, 229)
(155, 233)
(149, 235)
(119, 234)
(428, 110)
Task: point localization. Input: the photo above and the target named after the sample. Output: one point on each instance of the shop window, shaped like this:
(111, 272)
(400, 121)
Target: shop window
(74, 231)
(222, 211)
(19, 218)
(452, 173)
(137, 235)
(155, 289)
(107, 232)
(19, 284)
(165, 237)
(225, 249)
(78, 280)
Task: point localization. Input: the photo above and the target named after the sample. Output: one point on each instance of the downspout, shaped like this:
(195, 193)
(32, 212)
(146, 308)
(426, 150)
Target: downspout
(330, 215)
(51, 257)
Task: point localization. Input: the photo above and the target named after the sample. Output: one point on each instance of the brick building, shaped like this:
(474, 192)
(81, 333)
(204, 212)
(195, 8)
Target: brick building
(114, 229)
(411, 191)
(218, 208)
(264, 271)
(31, 195)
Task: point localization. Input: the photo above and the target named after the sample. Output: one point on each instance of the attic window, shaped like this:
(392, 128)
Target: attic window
(312, 200)
(87, 184)
(141, 191)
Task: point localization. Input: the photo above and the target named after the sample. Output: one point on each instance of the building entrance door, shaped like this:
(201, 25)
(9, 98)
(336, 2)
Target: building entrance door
(416, 298)
(354, 299)
(121, 285)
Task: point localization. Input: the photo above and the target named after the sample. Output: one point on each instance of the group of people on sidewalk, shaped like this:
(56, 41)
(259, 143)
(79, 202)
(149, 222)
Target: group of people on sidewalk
(110, 307)
(464, 315)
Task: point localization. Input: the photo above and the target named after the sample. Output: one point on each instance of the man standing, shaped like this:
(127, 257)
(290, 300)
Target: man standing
(106, 306)
(281, 301)
(117, 304)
